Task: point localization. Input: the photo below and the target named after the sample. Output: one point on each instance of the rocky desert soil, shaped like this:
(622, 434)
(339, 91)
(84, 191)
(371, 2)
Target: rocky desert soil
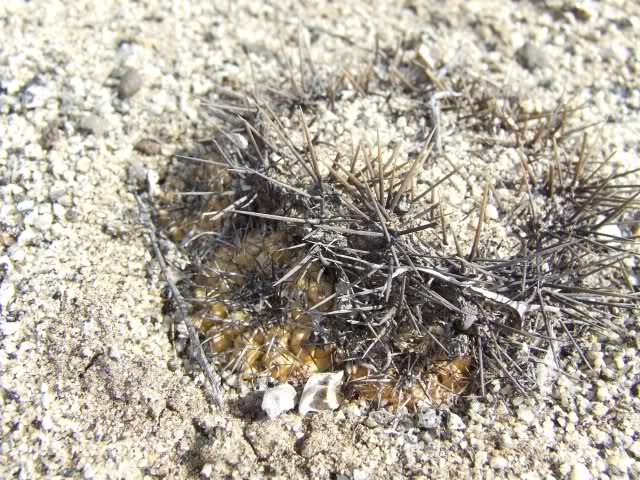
(91, 383)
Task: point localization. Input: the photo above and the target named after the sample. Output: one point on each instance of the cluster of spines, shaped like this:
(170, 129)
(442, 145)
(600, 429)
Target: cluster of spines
(387, 281)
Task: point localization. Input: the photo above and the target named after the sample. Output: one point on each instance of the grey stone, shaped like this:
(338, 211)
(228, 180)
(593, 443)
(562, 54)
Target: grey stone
(531, 57)
(427, 419)
(130, 83)
(378, 418)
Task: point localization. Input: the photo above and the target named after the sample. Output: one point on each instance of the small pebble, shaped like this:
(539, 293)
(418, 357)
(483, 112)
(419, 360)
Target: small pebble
(499, 463)
(130, 83)
(454, 422)
(9, 328)
(603, 394)
(148, 146)
(360, 475)
(92, 124)
(619, 461)
(526, 414)
(427, 419)
(505, 440)
(18, 254)
(491, 212)
(580, 472)
(25, 205)
(378, 418)
(43, 221)
(7, 294)
(50, 136)
(206, 471)
(583, 10)
(59, 211)
(531, 57)
(26, 237)
(278, 400)
(239, 141)
(352, 410)
(321, 392)
(609, 232)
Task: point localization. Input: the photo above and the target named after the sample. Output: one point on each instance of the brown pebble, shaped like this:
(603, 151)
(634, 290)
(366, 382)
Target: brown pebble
(148, 146)
(130, 83)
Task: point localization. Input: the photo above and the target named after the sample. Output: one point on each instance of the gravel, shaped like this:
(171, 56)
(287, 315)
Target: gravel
(90, 384)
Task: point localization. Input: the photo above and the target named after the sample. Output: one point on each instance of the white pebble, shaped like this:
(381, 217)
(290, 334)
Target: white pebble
(26, 237)
(548, 429)
(43, 221)
(620, 461)
(609, 232)
(598, 409)
(634, 449)
(206, 471)
(321, 392)
(278, 400)
(59, 211)
(83, 164)
(360, 475)
(603, 394)
(499, 463)
(9, 328)
(491, 212)
(25, 205)
(47, 422)
(454, 422)
(526, 414)
(17, 254)
(580, 472)
(619, 360)
(7, 294)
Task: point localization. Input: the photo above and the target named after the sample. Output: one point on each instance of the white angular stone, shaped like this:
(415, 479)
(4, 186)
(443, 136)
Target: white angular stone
(580, 472)
(27, 236)
(526, 414)
(499, 463)
(278, 400)
(43, 221)
(9, 328)
(25, 205)
(454, 422)
(321, 392)
(609, 232)
(603, 394)
(491, 212)
(7, 294)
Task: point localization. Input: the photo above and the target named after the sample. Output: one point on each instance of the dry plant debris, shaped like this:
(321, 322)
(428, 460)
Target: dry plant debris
(307, 254)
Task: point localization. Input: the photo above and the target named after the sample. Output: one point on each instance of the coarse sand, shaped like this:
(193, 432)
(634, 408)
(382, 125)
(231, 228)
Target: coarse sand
(96, 97)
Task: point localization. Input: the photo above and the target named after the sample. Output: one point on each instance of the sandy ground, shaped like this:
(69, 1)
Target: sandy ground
(90, 384)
